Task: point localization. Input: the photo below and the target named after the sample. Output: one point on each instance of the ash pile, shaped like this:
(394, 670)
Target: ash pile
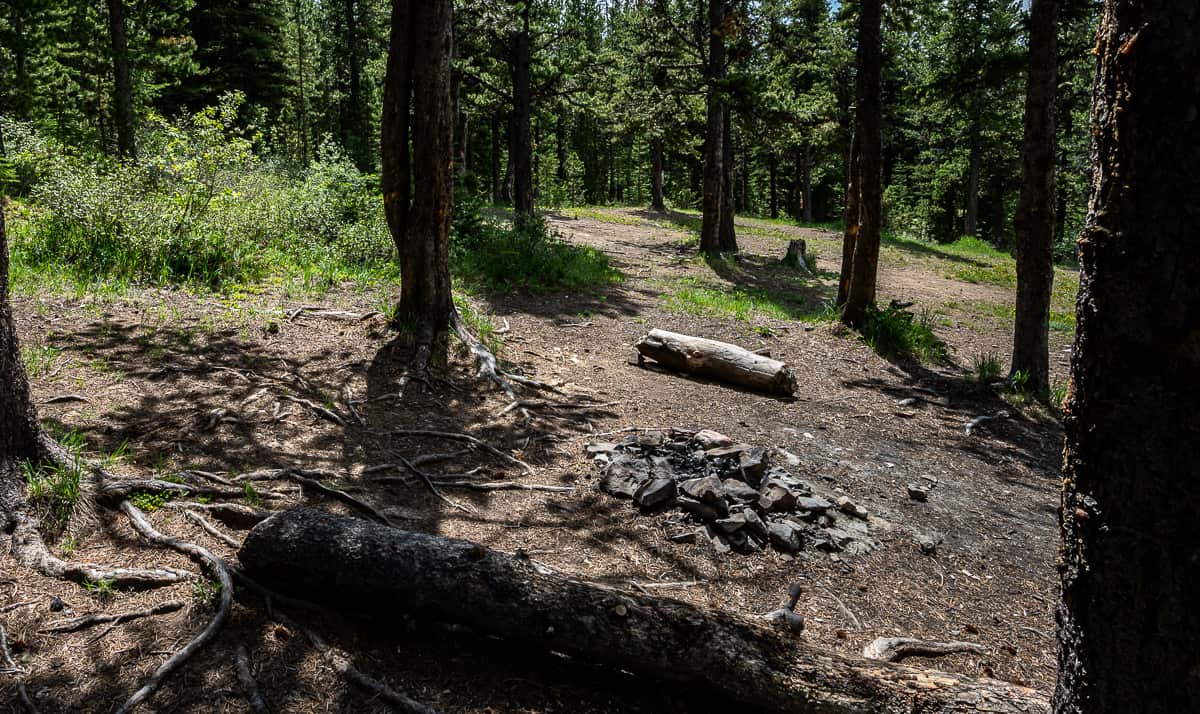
(728, 494)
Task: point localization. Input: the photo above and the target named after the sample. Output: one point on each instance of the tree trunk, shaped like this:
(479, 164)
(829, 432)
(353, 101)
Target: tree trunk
(728, 234)
(417, 103)
(124, 87)
(971, 221)
(354, 112)
(387, 573)
(860, 296)
(772, 170)
(19, 429)
(1034, 222)
(497, 191)
(1128, 620)
(852, 217)
(806, 184)
(657, 201)
(521, 150)
(714, 136)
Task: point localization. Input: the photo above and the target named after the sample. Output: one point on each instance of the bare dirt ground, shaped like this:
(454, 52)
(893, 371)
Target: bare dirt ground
(199, 382)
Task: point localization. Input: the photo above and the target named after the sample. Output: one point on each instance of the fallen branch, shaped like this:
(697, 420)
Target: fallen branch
(388, 573)
(123, 489)
(99, 618)
(895, 649)
(63, 398)
(319, 410)
(718, 360)
(429, 484)
(478, 443)
(138, 520)
(249, 687)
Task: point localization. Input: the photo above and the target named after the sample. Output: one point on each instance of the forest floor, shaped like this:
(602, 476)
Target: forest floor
(144, 377)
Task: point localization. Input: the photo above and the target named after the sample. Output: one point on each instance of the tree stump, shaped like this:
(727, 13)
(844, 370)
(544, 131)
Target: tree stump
(797, 256)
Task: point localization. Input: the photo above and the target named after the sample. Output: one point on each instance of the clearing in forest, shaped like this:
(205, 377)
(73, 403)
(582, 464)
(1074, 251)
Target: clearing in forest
(160, 381)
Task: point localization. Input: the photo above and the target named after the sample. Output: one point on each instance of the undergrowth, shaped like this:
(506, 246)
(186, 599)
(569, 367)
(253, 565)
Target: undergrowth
(892, 332)
(54, 490)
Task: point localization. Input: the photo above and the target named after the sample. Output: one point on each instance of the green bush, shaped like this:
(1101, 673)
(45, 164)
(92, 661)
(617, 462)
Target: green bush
(897, 333)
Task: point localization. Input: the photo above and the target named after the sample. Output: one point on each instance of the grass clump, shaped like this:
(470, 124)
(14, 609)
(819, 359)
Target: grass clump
(101, 589)
(898, 333)
(987, 367)
(54, 490)
(739, 304)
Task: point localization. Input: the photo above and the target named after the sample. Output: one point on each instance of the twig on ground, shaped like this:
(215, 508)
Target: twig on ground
(854, 621)
(12, 667)
(894, 649)
(138, 520)
(63, 398)
(211, 477)
(17, 606)
(210, 528)
(99, 618)
(249, 687)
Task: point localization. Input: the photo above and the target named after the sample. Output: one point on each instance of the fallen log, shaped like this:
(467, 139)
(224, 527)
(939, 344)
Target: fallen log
(388, 573)
(718, 360)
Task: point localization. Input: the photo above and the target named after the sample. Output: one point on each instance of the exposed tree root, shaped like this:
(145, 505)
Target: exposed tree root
(429, 484)
(210, 528)
(138, 520)
(113, 490)
(301, 478)
(474, 441)
(317, 409)
(99, 618)
(234, 515)
(504, 486)
(254, 698)
(485, 361)
(894, 649)
(12, 668)
(30, 550)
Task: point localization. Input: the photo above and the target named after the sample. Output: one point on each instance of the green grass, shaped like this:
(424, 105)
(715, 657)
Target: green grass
(100, 589)
(602, 215)
(987, 367)
(251, 494)
(1060, 320)
(738, 304)
(40, 360)
(54, 491)
(1002, 274)
(896, 333)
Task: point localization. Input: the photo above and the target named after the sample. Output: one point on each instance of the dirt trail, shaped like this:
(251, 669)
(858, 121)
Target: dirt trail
(154, 366)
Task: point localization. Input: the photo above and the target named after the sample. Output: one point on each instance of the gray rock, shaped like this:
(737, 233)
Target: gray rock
(623, 480)
(812, 504)
(719, 542)
(700, 511)
(707, 489)
(929, 542)
(600, 447)
(789, 457)
(785, 536)
(709, 439)
(725, 452)
(786, 621)
(918, 492)
(833, 540)
(754, 524)
(662, 467)
(774, 497)
(655, 492)
(845, 505)
(907, 402)
(731, 523)
(738, 491)
(785, 477)
(753, 464)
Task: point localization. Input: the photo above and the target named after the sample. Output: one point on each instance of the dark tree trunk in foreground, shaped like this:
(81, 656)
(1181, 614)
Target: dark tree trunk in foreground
(387, 573)
(728, 234)
(714, 134)
(521, 147)
(124, 88)
(1035, 217)
(1129, 621)
(417, 106)
(657, 201)
(851, 218)
(860, 296)
(19, 429)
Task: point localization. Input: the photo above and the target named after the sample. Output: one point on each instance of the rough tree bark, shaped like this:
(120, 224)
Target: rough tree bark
(728, 234)
(123, 104)
(20, 433)
(851, 218)
(521, 147)
(714, 135)
(657, 201)
(1034, 222)
(417, 105)
(772, 170)
(860, 296)
(388, 573)
(1128, 620)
